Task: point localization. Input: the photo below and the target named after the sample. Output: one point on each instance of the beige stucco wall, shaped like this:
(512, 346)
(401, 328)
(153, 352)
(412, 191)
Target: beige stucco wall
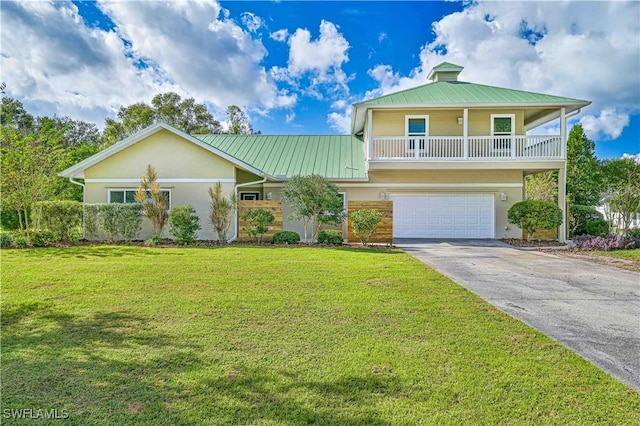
(173, 158)
(169, 154)
(442, 122)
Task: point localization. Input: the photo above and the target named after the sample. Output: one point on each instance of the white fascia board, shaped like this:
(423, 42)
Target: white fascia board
(77, 170)
(416, 185)
(163, 180)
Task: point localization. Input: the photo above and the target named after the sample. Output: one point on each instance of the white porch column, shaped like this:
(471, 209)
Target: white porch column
(562, 203)
(465, 131)
(563, 133)
(562, 176)
(369, 134)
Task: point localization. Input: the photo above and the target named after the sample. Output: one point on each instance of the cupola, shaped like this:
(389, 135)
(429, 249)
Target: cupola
(445, 72)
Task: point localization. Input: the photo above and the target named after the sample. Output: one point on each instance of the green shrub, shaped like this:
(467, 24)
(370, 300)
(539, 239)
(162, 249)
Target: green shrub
(259, 221)
(129, 220)
(91, 221)
(184, 224)
(154, 240)
(330, 236)
(286, 237)
(20, 241)
(633, 233)
(597, 228)
(579, 216)
(118, 220)
(43, 238)
(531, 215)
(364, 224)
(63, 218)
(6, 239)
(9, 220)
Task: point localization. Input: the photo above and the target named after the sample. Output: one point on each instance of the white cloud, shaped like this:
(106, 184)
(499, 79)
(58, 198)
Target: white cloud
(607, 125)
(192, 48)
(327, 52)
(340, 121)
(382, 37)
(290, 117)
(280, 35)
(252, 21)
(635, 157)
(587, 50)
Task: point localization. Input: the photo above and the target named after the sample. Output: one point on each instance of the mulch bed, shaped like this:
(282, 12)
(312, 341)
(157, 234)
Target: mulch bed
(532, 243)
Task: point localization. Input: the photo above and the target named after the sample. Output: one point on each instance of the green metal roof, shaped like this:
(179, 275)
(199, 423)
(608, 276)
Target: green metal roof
(283, 156)
(460, 92)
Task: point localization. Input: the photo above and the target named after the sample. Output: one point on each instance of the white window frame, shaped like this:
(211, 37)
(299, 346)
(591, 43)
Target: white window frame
(422, 144)
(511, 134)
(110, 190)
(256, 193)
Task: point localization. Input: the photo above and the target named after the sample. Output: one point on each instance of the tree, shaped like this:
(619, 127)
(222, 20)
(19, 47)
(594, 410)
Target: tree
(542, 186)
(14, 115)
(170, 108)
(532, 215)
(583, 177)
(221, 210)
(259, 221)
(315, 201)
(364, 223)
(621, 182)
(154, 202)
(29, 163)
(238, 121)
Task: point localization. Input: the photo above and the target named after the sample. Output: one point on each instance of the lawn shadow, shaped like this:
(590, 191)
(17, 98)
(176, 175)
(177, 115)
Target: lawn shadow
(85, 252)
(107, 368)
(275, 396)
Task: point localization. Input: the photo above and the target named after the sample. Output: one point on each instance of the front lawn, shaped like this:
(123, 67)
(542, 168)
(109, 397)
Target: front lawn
(633, 254)
(243, 335)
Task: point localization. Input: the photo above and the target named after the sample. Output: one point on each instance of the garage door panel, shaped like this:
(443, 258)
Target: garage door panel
(443, 216)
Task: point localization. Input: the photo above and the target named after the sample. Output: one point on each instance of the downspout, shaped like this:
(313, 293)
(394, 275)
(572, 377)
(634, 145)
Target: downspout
(235, 217)
(84, 188)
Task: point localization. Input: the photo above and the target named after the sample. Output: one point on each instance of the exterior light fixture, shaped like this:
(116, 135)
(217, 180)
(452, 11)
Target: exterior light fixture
(503, 196)
(460, 120)
(383, 195)
(269, 195)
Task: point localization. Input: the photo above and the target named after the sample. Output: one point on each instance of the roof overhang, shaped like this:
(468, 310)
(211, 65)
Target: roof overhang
(77, 170)
(359, 114)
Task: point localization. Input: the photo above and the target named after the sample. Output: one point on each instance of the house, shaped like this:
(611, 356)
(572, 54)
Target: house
(450, 156)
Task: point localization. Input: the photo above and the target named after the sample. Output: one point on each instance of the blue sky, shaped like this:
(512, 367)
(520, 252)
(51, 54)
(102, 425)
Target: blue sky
(296, 67)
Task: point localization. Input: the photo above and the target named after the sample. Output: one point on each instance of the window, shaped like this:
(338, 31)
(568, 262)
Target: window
(417, 131)
(502, 130)
(249, 195)
(129, 196)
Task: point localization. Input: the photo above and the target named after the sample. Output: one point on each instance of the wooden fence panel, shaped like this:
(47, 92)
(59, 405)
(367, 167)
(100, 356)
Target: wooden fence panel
(275, 207)
(384, 231)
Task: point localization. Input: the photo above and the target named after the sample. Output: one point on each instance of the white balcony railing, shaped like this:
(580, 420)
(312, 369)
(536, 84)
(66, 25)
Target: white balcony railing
(437, 148)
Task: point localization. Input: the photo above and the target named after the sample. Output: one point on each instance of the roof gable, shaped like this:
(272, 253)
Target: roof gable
(77, 170)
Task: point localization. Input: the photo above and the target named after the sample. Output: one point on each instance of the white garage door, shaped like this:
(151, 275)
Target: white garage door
(443, 216)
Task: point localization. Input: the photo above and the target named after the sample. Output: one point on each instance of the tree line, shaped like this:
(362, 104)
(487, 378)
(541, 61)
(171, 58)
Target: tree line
(34, 149)
(613, 184)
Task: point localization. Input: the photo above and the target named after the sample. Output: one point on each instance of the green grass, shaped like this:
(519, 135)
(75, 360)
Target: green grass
(633, 254)
(242, 335)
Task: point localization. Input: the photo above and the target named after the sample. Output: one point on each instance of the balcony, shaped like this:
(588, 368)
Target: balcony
(474, 148)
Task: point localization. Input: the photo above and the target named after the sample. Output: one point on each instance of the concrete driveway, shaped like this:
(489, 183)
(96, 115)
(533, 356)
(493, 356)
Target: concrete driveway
(592, 309)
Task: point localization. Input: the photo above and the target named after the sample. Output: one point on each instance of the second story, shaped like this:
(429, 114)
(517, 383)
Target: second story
(450, 124)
